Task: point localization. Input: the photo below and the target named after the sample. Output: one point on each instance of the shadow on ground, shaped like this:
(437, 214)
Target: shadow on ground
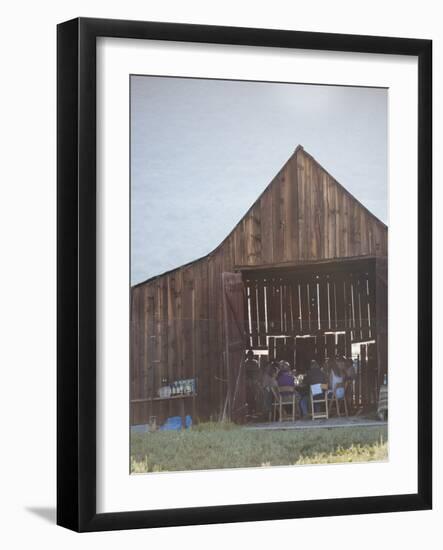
(46, 513)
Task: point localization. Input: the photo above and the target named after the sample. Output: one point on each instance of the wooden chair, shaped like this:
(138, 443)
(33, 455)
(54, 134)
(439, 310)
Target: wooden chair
(321, 399)
(334, 399)
(286, 397)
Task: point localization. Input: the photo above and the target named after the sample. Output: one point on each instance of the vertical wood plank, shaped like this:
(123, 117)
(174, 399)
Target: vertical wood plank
(266, 227)
(340, 302)
(278, 225)
(261, 314)
(304, 293)
(331, 219)
(294, 214)
(323, 297)
(309, 227)
(254, 312)
(301, 185)
(313, 305)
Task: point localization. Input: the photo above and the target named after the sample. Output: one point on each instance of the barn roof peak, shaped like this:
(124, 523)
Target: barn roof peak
(277, 180)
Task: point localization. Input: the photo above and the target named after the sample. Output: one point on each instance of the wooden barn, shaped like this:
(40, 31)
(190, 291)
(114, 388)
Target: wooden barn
(302, 275)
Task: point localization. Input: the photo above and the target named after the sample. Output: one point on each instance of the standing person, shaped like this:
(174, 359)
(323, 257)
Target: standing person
(351, 376)
(341, 364)
(252, 373)
(327, 366)
(336, 380)
(350, 369)
(270, 389)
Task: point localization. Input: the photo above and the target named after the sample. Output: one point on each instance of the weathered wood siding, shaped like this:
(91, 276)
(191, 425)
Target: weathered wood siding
(303, 215)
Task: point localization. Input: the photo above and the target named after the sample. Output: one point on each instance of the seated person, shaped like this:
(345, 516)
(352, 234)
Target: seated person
(285, 376)
(315, 377)
(315, 374)
(286, 379)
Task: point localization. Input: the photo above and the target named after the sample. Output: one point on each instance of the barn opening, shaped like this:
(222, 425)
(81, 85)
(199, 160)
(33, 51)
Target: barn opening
(317, 311)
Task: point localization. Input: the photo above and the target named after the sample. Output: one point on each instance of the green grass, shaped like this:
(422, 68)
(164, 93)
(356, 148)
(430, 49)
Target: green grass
(212, 445)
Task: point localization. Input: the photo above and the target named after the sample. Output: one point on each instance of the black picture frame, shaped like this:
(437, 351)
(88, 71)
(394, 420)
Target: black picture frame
(76, 266)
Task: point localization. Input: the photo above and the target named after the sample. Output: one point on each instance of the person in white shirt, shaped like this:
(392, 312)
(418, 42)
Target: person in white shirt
(336, 381)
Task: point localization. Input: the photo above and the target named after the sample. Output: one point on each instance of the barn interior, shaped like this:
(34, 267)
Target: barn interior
(318, 311)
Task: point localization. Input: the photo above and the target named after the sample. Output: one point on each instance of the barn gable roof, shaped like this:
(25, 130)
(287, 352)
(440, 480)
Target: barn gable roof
(300, 153)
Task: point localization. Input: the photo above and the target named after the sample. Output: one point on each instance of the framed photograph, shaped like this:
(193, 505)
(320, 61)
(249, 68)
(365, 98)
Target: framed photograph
(244, 274)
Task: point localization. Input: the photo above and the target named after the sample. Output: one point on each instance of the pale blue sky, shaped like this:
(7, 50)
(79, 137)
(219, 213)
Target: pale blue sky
(202, 151)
